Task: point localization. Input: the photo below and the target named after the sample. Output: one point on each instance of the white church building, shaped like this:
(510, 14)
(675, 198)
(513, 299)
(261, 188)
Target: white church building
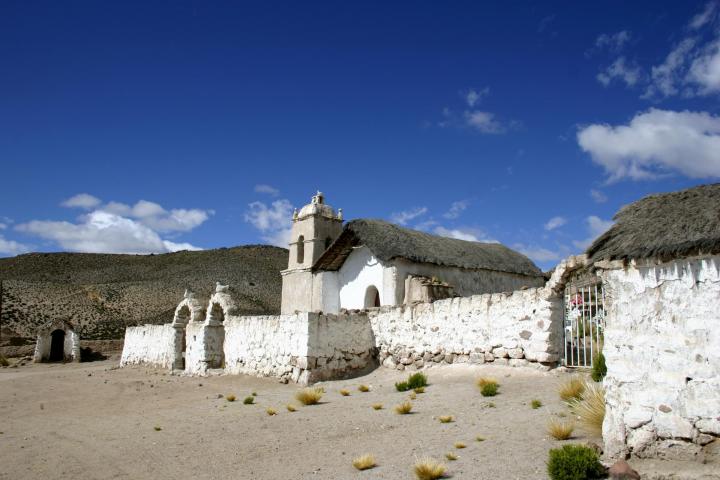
(372, 263)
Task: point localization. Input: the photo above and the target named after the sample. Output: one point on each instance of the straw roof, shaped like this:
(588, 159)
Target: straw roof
(388, 241)
(664, 226)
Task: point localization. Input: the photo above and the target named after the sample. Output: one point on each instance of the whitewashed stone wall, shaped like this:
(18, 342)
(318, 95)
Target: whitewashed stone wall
(508, 328)
(662, 349)
(149, 344)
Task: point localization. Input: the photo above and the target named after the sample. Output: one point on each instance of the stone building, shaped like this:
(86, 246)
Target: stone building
(57, 341)
(660, 266)
(372, 263)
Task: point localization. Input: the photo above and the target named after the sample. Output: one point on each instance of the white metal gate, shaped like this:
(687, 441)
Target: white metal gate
(584, 322)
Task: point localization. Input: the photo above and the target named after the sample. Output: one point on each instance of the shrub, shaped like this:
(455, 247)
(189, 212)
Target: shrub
(535, 404)
(404, 408)
(599, 369)
(445, 418)
(249, 400)
(574, 462)
(451, 456)
(429, 469)
(271, 411)
(309, 396)
(230, 398)
(590, 407)
(460, 445)
(4, 361)
(560, 430)
(571, 388)
(489, 390)
(344, 392)
(482, 381)
(290, 408)
(254, 394)
(364, 462)
(402, 386)
(417, 380)
(364, 388)
(377, 406)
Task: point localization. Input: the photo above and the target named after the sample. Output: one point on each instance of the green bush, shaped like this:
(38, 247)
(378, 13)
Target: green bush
(416, 380)
(574, 462)
(489, 389)
(249, 400)
(599, 369)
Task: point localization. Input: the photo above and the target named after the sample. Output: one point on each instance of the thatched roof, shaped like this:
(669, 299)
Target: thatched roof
(388, 241)
(664, 226)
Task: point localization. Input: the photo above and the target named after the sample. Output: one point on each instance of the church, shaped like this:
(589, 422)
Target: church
(372, 263)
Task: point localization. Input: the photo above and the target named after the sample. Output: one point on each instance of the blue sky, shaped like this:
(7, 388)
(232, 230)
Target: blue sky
(154, 126)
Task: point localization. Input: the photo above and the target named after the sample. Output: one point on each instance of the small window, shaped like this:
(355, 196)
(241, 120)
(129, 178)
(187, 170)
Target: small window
(301, 249)
(328, 242)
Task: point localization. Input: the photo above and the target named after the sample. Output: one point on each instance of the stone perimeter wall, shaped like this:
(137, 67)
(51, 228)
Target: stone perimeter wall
(662, 349)
(149, 344)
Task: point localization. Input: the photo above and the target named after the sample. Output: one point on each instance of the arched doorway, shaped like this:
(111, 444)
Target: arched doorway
(183, 318)
(217, 340)
(372, 297)
(57, 346)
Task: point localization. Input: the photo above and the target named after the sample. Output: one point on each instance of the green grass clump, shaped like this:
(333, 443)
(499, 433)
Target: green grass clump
(157, 428)
(574, 462)
(535, 404)
(599, 369)
(4, 361)
(489, 390)
(479, 439)
(249, 400)
(415, 381)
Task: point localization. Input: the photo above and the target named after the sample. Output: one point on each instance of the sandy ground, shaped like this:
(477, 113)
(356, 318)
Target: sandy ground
(92, 421)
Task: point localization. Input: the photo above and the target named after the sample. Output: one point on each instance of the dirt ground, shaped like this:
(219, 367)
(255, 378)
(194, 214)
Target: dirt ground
(94, 421)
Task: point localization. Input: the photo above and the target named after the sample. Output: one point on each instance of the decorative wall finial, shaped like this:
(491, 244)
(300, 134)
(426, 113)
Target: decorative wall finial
(339, 215)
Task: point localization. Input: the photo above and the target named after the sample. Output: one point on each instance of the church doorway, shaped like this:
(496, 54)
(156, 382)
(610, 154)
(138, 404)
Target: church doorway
(372, 297)
(57, 346)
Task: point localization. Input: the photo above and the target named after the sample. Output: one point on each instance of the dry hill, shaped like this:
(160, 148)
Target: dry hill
(102, 293)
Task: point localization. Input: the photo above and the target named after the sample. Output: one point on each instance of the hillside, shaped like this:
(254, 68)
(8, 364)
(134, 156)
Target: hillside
(102, 293)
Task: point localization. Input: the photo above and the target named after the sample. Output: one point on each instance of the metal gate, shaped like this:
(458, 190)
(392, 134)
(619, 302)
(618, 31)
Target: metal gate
(584, 322)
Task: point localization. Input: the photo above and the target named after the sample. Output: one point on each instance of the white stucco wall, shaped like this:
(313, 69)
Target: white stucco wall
(510, 328)
(360, 270)
(149, 344)
(662, 349)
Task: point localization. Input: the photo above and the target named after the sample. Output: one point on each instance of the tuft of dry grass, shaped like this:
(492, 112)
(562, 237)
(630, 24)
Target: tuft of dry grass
(445, 418)
(364, 388)
(459, 445)
(572, 388)
(230, 398)
(377, 406)
(419, 390)
(290, 407)
(590, 407)
(412, 396)
(309, 396)
(429, 469)
(482, 381)
(560, 430)
(345, 393)
(271, 411)
(488, 386)
(479, 439)
(364, 462)
(451, 456)
(157, 428)
(404, 408)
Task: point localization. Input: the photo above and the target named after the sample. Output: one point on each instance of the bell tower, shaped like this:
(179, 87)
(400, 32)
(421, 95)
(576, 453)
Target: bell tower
(314, 229)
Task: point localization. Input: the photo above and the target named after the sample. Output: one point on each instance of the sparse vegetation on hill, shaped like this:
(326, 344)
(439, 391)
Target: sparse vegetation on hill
(101, 294)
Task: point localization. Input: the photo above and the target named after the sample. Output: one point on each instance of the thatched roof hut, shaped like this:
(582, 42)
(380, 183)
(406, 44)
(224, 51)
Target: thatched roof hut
(664, 226)
(388, 242)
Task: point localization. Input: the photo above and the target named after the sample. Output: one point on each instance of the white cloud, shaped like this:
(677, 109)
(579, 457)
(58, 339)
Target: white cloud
(11, 247)
(613, 41)
(705, 69)
(484, 122)
(555, 222)
(654, 142)
(704, 17)
(474, 96)
(598, 196)
(402, 218)
(667, 77)
(621, 70)
(537, 253)
(3, 226)
(596, 226)
(145, 209)
(177, 220)
(274, 221)
(463, 233)
(267, 189)
(456, 209)
(81, 200)
(103, 232)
